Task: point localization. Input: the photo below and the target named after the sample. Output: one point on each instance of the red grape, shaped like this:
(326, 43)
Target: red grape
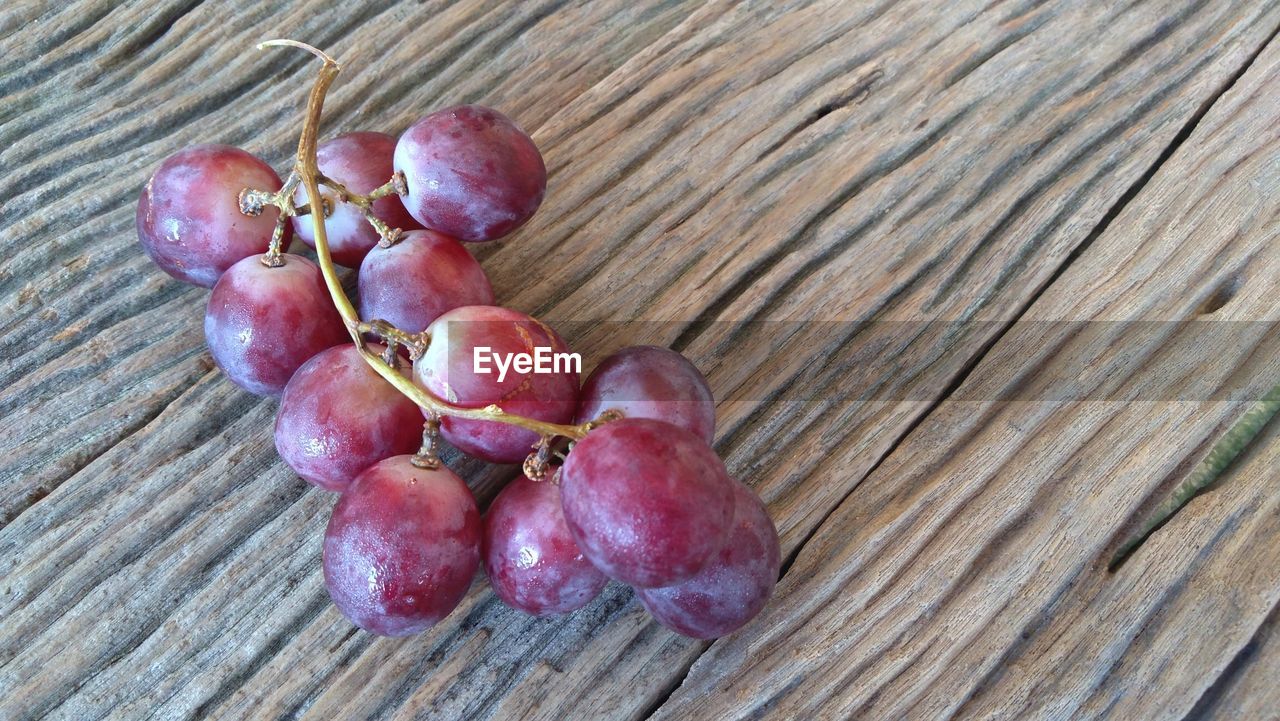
(447, 370)
(472, 173)
(733, 587)
(650, 382)
(189, 219)
(362, 163)
(338, 417)
(416, 280)
(649, 503)
(529, 555)
(262, 323)
(402, 547)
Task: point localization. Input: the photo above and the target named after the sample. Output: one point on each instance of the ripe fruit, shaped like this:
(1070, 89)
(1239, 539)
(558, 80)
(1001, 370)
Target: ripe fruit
(472, 173)
(362, 163)
(649, 503)
(262, 323)
(644, 498)
(338, 417)
(446, 369)
(416, 280)
(189, 219)
(732, 588)
(650, 382)
(530, 557)
(401, 547)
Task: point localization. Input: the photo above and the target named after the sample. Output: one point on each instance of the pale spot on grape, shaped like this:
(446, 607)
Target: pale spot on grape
(528, 558)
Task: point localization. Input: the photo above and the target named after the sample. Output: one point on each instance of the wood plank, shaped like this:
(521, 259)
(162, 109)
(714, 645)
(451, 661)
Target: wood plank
(1247, 688)
(721, 173)
(967, 576)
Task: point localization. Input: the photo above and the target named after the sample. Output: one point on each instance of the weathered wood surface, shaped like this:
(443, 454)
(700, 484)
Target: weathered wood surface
(711, 164)
(967, 574)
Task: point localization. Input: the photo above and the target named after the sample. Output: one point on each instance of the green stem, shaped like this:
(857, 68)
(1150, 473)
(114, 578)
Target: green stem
(1228, 447)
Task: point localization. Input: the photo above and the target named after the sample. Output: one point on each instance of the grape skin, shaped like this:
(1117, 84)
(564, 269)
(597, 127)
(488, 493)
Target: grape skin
(472, 173)
(337, 417)
(262, 324)
(650, 382)
(418, 279)
(188, 217)
(649, 503)
(362, 162)
(403, 543)
(530, 557)
(402, 547)
(446, 370)
(733, 587)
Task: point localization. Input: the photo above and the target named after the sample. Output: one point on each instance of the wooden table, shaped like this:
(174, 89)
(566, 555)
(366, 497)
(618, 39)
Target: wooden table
(915, 179)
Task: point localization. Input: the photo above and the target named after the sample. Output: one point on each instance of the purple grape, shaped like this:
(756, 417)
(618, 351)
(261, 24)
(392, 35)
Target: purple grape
(529, 555)
(447, 370)
(733, 587)
(649, 503)
(650, 382)
(362, 163)
(472, 173)
(189, 219)
(402, 547)
(263, 323)
(418, 279)
(338, 417)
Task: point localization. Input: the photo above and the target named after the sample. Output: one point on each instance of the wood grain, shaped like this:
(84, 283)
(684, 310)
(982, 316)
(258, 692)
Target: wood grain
(967, 576)
(752, 183)
(1246, 688)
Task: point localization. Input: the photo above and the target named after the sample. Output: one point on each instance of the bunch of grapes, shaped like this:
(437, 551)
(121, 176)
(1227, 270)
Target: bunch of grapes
(619, 480)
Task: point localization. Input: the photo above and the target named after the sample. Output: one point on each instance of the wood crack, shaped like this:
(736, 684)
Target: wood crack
(1026, 27)
(855, 94)
(886, 165)
(82, 461)
(310, 612)
(1109, 216)
(1213, 695)
(675, 683)
(149, 34)
(1132, 547)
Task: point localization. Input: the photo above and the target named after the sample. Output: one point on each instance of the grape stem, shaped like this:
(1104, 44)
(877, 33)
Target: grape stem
(427, 456)
(535, 466)
(416, 343)
(1222, 454)
(309, 175)
(396, 186)
(253, 201)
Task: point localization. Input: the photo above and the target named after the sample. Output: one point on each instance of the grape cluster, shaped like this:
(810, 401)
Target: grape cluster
(629, 488)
